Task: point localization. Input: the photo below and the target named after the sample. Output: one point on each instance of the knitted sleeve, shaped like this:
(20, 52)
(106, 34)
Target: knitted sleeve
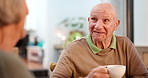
(64, 66)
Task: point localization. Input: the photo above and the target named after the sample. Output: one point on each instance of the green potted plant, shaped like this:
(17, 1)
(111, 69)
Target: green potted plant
(76, 24)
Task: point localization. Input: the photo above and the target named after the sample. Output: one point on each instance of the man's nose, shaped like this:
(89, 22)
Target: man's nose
(99, 25)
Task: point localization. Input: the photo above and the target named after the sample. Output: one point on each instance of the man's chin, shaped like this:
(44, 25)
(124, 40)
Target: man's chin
(99, 39)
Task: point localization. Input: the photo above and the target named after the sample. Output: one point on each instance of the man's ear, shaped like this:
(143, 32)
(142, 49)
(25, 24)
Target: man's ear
(88, 19)
(117, 24)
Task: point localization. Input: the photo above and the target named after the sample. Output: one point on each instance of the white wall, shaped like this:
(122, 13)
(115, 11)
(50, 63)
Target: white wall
(120, 6)
(46, 14)
(141, 22)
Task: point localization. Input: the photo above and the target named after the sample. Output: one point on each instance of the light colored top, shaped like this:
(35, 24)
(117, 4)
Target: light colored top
(11, 66)
(77, 59)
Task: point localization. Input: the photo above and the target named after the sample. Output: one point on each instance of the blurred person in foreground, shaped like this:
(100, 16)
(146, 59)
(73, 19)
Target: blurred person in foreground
(88, 57)
(12, 17)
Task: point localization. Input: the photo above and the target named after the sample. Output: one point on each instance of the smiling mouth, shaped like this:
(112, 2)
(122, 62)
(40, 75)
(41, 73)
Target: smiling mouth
(99, 32)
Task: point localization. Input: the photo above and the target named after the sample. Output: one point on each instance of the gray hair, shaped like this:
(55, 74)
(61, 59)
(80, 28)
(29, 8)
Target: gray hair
(10, 11)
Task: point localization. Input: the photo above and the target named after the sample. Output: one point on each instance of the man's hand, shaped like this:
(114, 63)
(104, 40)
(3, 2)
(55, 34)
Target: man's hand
(98, 72)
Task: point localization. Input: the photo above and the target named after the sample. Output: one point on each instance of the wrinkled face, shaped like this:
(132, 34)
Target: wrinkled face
(102, 22)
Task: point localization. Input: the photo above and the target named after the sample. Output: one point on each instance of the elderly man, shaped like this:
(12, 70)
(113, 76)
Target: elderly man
(88, 57)
(12, 17)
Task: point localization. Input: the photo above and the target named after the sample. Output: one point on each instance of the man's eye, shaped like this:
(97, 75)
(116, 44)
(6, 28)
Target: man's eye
(106, 20)
(94, 19)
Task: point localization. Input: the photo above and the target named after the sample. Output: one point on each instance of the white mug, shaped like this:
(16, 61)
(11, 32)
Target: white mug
(116, 71)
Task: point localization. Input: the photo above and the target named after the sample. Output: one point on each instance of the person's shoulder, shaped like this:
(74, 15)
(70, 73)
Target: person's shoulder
(122, 38)
(76, 45)
(79, 41)
(6, 55)
(12, 62)
(9, 58)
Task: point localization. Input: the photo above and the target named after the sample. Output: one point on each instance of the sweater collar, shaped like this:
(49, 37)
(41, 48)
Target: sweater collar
(95, 49)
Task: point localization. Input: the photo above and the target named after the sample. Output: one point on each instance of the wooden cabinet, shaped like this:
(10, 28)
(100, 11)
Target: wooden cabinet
(145, 58)
(143, 51)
